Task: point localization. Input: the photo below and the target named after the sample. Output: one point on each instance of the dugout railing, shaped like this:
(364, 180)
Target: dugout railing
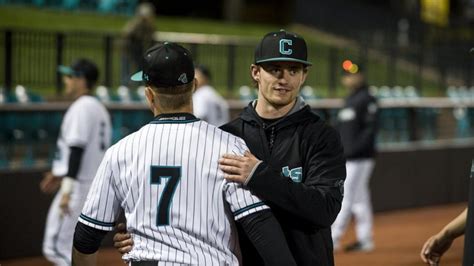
(28, 132)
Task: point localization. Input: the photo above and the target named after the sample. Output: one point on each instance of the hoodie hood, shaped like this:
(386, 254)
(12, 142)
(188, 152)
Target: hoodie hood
(299, 112)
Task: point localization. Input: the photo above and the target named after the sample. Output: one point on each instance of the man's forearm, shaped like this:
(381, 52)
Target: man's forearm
(75, 160)
(317, 206)
(81, 259)
(456, 227)
(86, 243)
(266, 235)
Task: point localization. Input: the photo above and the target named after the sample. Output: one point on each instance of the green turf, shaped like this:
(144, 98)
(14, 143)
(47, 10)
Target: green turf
(58, 20)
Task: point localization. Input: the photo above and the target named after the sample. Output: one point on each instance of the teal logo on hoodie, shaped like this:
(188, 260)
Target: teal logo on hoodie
(296, 174)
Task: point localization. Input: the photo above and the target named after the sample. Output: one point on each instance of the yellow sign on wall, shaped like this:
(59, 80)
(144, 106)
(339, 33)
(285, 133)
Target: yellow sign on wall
(435, 12)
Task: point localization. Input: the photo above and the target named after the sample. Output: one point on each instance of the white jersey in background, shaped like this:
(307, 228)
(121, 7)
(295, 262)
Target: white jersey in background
(86, 124)
(179, 208)
(209, 106)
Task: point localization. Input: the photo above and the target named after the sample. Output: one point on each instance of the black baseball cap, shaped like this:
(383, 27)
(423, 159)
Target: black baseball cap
(282, 46)
(166, 65)
(81, 68)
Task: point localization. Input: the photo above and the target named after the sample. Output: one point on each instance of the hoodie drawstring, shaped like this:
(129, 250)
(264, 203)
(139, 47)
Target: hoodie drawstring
(272, 138)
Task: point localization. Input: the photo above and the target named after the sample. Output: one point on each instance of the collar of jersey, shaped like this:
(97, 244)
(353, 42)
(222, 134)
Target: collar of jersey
(173, 118)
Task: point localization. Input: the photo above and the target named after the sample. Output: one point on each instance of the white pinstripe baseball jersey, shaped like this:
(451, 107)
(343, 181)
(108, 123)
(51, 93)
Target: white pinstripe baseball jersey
(178, 206)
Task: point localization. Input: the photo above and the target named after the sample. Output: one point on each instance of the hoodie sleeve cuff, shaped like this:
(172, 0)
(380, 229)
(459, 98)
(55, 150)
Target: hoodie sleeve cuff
(252, 173)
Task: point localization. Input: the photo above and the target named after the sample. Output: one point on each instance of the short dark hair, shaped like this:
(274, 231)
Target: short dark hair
(204, 70)
(88, 70)
(174, 97)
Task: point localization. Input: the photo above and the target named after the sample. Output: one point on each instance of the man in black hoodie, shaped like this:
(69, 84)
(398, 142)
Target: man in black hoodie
(357, 124)
(300, 169)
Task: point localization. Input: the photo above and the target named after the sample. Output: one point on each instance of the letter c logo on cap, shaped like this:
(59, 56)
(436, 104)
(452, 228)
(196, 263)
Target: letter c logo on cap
(284, 49)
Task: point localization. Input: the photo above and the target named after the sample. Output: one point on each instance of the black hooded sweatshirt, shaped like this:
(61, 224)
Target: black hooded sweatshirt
(301, 179)
(357, 124)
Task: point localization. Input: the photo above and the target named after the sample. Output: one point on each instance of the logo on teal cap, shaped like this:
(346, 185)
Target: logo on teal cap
(284, 49)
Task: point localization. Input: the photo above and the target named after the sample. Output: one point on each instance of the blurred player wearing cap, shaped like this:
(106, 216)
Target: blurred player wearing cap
(84, 136)
(179, 208)
(357, 124)
(302, 172)
(137, 36)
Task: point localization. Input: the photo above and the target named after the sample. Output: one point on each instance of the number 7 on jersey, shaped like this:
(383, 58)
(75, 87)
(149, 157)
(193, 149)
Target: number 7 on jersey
(173, 175)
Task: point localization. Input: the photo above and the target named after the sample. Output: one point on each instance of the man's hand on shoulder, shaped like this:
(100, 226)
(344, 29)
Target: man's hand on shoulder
(238, 168)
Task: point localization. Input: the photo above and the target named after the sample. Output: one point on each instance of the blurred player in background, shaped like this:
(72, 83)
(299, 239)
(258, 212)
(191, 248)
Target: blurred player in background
(84, 136)
(137, 36)
(208, 105)
(357, 124)
(179, 208)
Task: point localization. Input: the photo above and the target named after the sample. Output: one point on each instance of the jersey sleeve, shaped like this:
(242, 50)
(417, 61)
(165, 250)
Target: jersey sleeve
(102, 205)
(239, 147)
(77, 129)
(241, 201)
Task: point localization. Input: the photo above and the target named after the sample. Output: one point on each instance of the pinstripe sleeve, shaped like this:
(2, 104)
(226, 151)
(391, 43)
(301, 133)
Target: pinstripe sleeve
(241, 201)
(102, 205)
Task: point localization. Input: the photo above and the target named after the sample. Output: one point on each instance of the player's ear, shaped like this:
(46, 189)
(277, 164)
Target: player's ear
(255, 72)
(195, 82)
(305, 74)
(150, 98)
(150, 95)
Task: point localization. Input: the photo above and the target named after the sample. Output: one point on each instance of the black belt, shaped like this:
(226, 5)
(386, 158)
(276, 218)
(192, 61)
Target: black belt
(144, 263)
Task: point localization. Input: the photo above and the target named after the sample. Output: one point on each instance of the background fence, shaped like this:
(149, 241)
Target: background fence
(30, 58)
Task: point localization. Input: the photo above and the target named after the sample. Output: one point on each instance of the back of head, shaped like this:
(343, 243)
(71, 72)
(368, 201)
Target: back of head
(169, 70)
